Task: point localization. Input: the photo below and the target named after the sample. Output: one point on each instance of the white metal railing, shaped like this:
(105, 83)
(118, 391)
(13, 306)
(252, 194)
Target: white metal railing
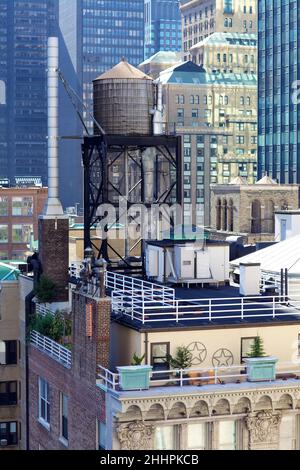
(142, 306)
(43, 310)
(109, 380)
(119, 282)
(55, 350)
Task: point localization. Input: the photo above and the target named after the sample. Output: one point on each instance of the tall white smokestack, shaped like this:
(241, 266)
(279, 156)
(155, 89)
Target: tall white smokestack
(53, 206)
(158, 112)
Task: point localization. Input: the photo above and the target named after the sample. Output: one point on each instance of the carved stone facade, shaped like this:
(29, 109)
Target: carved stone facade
(249, 209)
(136, 436)
(256, 413)
(263, 430)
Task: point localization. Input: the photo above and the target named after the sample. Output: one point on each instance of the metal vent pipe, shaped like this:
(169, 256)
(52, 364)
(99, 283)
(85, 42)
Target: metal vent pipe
(53, 206)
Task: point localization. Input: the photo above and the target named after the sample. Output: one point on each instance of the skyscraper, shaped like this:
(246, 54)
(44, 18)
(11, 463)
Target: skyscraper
(278, 64)
(95, 35)
(162, 26)
(24, 28)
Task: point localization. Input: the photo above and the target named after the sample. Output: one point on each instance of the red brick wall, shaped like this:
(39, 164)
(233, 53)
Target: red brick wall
(54, 253)
(86, 401)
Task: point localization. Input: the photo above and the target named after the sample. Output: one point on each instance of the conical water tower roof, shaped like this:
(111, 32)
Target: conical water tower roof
(123, 70)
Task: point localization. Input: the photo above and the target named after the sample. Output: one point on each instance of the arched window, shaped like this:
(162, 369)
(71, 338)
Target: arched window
(218, 214)
(230, 216)
(269, 217)
(256, 217)
(225, 215)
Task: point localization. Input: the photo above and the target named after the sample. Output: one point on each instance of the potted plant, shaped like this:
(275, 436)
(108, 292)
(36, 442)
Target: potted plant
(136, 376)
(182, 361)
(260, 367)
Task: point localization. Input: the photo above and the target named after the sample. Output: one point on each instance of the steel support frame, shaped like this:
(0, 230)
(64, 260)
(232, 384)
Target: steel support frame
(95, 151)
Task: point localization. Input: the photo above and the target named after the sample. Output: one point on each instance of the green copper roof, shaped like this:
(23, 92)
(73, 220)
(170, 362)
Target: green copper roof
(188, 73)
(234, 39)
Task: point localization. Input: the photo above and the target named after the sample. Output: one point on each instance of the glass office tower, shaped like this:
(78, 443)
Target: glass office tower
(24, 28)
(279, 67)
(162, 26)
(95, 35)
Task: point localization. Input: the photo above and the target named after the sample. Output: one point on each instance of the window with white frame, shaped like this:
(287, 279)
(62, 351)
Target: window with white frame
(64, 408)
(44, 401)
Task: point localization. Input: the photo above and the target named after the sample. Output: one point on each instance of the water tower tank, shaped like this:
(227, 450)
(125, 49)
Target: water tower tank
(123, 101)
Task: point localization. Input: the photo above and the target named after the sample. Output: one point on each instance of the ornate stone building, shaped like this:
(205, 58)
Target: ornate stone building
(221, 417)
(227, 52)
(246, 209)
(216, 116)
(201, 18)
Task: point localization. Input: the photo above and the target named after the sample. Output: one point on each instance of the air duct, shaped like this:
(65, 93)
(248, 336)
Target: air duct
(53, 206)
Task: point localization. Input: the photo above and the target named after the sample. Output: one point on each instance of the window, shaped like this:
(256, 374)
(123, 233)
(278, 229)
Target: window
(44, 403)
(195, 113)
(159, 355)
(227, 435)
(246, 344)
(21, 233)
(8, 393)
(64, 403)
(3, 206)
(8, 352)
(22, 206)
(8, 433)
(166, 438)
(288, 433)
(3, 233)
(196, 436)
(101, 436)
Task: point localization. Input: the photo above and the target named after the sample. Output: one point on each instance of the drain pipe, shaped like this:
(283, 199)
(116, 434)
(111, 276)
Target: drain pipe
(28, 314)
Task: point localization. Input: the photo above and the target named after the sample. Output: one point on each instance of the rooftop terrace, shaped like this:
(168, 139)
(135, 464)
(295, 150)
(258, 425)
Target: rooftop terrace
(143, 305)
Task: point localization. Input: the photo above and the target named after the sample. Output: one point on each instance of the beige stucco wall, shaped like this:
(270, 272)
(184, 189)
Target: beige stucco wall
(279, 341)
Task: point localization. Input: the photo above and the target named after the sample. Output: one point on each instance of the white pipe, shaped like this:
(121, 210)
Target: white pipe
(53, 206)
(158, 112)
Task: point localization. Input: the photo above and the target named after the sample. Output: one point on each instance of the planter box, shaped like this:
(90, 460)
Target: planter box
(261, 369)
(135, 377)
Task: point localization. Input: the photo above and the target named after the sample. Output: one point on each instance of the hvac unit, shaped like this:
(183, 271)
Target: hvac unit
(152, 262)
(184, 258)
(203, 265)
(3, 442)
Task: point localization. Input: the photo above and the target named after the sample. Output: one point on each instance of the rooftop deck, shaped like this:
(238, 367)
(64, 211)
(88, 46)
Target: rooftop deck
(201, 308)
(212, 380)
(143, 305)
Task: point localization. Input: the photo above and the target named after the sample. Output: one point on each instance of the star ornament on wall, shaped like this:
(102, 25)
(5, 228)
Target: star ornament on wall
(198, 351)
(222, 358)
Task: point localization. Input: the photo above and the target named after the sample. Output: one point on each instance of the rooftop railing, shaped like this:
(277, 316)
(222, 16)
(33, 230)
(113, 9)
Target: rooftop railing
(116, 282)
(58, 352)
(236, 374)
(145, 306)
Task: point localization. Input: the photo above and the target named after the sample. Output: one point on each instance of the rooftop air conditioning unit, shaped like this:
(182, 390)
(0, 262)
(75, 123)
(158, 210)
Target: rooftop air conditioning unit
(3, 442)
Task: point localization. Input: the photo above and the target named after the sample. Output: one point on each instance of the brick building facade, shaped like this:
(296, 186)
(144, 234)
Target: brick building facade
(85, 414)
(19, 211)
